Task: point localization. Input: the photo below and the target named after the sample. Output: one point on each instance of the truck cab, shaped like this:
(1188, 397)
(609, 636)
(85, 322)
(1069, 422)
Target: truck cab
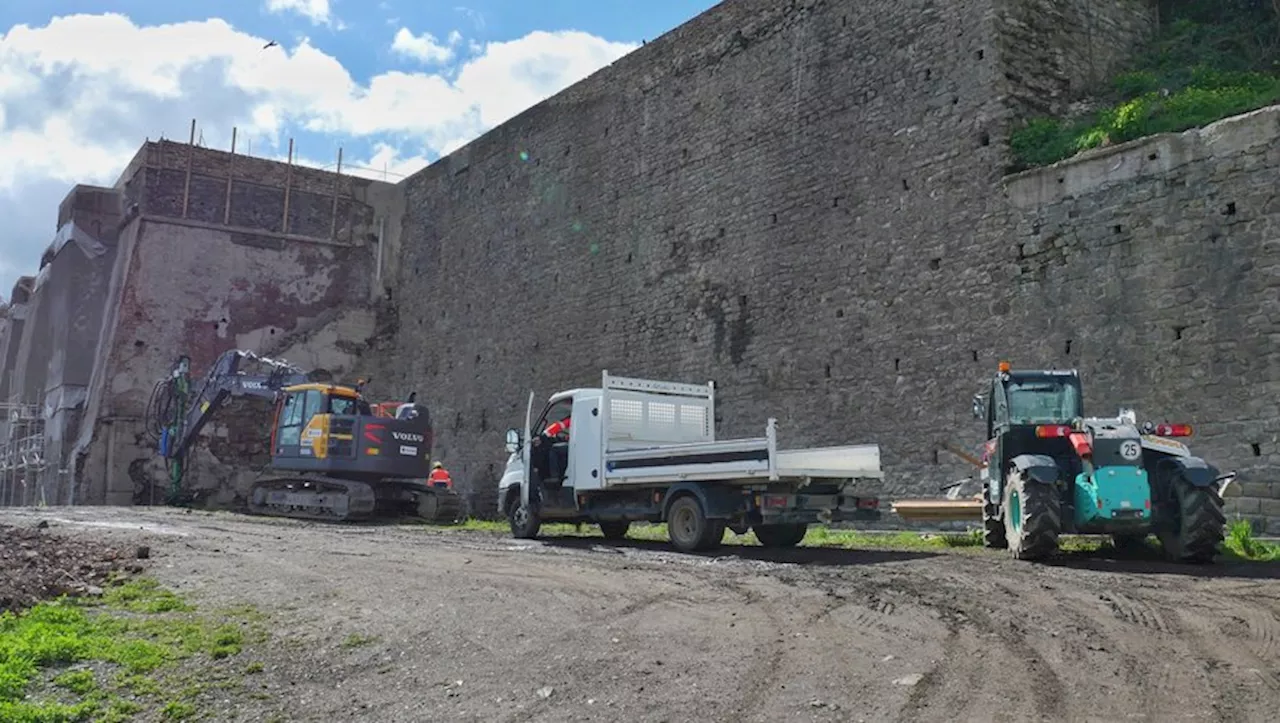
(646, 450)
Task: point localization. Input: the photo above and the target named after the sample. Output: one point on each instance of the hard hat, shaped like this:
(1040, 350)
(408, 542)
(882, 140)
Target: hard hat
(436, 465)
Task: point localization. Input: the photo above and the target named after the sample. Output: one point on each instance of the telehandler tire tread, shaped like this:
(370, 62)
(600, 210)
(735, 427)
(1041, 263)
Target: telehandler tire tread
(993, 533)
(1040, 508)
(1202, 525)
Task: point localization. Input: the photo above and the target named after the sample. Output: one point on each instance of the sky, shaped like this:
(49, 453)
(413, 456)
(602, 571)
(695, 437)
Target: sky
(395, 83)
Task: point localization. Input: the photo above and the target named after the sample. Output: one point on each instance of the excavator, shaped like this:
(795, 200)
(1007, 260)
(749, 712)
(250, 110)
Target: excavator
(334, 456)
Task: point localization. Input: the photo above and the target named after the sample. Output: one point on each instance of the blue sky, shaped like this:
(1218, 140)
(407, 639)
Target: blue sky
(395, 83)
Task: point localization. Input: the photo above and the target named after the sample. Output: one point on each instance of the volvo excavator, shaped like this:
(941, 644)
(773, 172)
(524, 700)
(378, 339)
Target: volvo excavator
(334, 456)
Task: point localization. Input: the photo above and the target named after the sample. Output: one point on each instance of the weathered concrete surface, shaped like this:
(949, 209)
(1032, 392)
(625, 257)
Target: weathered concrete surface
(11, 333)
(1155, 267)
(798, 200)
(53, 361)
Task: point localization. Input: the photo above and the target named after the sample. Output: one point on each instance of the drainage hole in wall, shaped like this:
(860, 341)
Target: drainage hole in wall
(1256, 449)
(828, 371)
(839, 313)
(974, 353)
(935, 264)
(138, 344)
(1067, 349)
(774, 217)
(897, 364)
(1230, 210)
(1117, 229)
(1177, 331)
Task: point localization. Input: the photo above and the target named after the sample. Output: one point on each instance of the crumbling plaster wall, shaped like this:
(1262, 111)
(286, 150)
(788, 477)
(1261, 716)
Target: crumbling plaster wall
(194, 285)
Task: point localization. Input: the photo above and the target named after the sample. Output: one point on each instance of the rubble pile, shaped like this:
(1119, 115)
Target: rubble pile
(36, 565)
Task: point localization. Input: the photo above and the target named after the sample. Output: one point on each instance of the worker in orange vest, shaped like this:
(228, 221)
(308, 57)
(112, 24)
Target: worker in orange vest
(439, 476)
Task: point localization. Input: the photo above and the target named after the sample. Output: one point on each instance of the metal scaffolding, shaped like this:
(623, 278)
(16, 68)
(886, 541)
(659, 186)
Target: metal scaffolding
(23, 465)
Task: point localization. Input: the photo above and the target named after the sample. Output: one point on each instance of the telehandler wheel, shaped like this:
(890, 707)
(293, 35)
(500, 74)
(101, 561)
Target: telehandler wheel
(525, 521)
(993, 535)
(615, 529)
(1193, 526)
(689, 528)
(1032, 517)
(784, 535)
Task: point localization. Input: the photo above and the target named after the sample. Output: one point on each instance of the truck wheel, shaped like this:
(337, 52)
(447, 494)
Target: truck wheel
(781, 535)
(525, 521)
(1193, 524)
(615, 529)
(992, 523)
(688, 526)
(1032, 517)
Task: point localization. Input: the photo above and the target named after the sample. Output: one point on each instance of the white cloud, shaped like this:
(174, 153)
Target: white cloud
(317, 11)
(79, 95)
(425, 48)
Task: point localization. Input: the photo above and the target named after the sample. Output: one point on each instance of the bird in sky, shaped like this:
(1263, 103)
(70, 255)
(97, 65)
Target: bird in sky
(270, 44)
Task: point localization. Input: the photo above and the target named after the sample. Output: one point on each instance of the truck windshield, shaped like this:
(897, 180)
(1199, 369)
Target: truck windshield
(1042, 400)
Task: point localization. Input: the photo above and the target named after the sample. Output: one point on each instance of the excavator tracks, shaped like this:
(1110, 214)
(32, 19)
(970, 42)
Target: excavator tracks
(314, 497)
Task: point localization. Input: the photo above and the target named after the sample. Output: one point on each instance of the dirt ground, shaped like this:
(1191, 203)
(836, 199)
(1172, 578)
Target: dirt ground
(415, 624)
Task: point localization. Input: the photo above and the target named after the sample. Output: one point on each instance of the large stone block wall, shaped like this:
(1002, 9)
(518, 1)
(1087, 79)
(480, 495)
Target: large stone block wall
(1055, 52)
(798, 200)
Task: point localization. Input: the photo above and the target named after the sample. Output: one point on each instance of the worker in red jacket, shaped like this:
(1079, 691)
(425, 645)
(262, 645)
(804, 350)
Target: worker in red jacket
(555, 429)
(439, 476)
(558, 454)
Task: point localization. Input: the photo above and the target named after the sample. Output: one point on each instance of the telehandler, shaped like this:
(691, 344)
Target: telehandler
(1046, 470)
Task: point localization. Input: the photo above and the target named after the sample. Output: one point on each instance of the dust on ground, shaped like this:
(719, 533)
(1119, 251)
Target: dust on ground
(401, 623)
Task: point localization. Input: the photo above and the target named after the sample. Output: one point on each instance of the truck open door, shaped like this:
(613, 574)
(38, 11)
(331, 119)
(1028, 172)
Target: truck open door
(526, 456)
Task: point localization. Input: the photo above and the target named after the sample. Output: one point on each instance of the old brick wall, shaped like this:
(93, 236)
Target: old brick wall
(198, 286)
(1155, 268)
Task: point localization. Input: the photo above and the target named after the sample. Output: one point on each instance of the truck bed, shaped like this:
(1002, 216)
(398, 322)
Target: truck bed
(743, 461)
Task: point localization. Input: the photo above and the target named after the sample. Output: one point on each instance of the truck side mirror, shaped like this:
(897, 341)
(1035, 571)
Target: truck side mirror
(979, 407)
(513, 440)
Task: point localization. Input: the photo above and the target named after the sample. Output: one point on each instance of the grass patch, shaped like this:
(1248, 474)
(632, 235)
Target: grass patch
(1211, 59)
(817, 536)
(356, 640)
(1242, 545)
(108, 659)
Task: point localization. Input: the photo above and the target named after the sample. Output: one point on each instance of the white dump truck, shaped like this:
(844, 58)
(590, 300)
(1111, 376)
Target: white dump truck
(644, 450)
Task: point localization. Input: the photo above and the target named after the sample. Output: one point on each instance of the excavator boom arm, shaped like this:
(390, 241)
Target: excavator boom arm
(223, 381)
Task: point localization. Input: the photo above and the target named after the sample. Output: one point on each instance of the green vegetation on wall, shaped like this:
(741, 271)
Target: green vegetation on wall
(1210, 59)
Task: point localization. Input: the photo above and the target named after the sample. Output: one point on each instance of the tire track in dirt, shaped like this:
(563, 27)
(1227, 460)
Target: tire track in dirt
(766, 660)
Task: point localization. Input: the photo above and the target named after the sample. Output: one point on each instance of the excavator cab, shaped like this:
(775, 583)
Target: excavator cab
(304, 418)
(330, 428)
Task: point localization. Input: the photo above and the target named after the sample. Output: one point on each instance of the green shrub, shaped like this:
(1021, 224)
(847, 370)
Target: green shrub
(1212, 59)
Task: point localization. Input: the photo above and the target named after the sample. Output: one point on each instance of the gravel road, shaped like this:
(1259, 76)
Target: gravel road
(401, 623)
